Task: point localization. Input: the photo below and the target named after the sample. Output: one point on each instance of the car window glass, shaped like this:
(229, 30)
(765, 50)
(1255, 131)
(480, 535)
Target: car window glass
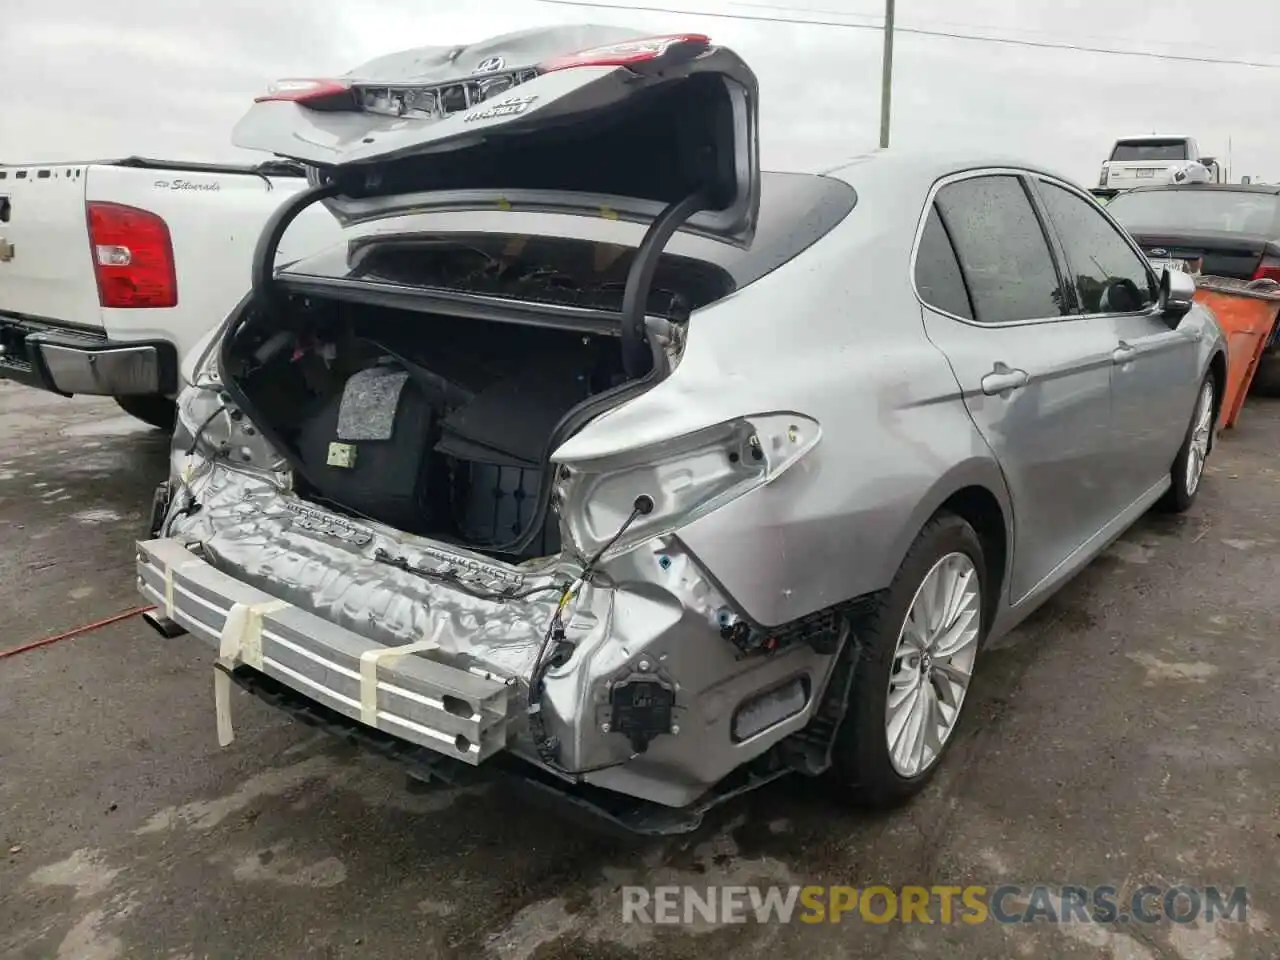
(1150, 150)
(1002, 249)
(1180, 209)
(1109, 276)
(938, 278)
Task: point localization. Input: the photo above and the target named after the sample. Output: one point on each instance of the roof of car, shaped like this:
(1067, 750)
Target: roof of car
(929, 166)
(1271, 188)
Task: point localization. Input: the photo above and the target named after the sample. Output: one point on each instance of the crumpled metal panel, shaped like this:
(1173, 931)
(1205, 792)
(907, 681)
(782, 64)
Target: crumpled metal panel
(319, 561)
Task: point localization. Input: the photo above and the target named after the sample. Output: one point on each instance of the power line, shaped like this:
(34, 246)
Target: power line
(923, 32)
(879, 20)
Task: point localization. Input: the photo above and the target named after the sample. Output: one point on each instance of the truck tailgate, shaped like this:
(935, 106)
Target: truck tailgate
(46, 270)
(214, 219)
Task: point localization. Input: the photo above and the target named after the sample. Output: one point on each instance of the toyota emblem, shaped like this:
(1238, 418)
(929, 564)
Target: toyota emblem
(490, 65)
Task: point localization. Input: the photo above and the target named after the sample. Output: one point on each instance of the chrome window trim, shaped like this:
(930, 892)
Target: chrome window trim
(1022, 174)
(1153, 310)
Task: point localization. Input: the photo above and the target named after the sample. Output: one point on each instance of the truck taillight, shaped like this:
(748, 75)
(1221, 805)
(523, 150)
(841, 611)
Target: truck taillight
(132, 257)
(1268, 269)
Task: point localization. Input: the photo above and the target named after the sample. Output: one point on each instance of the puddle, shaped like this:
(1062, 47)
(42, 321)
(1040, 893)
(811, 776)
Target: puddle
(110, 427)
(97, 515)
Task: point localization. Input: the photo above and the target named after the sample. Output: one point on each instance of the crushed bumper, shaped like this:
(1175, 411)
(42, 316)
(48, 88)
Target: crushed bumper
(449, 710)
(654, 703)
(71, 361)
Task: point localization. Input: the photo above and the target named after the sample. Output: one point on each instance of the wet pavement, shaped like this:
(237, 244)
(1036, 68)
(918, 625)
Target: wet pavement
(1126, 735)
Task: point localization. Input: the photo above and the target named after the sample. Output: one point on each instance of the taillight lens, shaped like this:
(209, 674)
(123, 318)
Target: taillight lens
(1269, 269)
(672, 48)
(132, 257)
(310, 92)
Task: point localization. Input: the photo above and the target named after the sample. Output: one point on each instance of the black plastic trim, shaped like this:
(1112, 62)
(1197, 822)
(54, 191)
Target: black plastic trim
(635, 295)
(264, 252)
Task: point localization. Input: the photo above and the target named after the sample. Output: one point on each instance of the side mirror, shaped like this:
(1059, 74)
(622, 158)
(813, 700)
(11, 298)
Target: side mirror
(1177, 295)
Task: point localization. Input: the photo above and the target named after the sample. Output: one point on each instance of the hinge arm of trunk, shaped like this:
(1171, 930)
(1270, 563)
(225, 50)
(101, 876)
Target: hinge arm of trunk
(636, 355)
(264, 252)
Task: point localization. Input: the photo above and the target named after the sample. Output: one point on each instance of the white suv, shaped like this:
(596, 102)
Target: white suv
(1141, 161)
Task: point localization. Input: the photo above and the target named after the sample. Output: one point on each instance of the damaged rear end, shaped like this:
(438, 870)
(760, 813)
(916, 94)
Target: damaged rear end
(386, 508)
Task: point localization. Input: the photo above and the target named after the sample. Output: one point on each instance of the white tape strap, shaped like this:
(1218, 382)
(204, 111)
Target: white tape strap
(240, 641)
(369, 661)
(222, 707)
(168, 591)
(168, 584)
(242, 631)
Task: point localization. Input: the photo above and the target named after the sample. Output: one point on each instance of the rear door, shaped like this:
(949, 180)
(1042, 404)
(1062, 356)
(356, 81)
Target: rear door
(1154, 369)
(46, 271)
(620, 130)
(1035, 377)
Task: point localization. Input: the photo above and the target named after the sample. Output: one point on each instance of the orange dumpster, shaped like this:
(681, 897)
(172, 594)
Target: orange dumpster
(1247, 313)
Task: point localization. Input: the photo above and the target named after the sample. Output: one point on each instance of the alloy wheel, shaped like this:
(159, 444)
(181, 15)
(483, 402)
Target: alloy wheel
(933, 664)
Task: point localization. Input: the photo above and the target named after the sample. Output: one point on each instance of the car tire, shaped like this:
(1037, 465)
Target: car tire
(159, 412)
(864, 768)
(1187, 475)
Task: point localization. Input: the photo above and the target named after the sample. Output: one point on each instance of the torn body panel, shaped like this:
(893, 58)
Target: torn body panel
(652, 621)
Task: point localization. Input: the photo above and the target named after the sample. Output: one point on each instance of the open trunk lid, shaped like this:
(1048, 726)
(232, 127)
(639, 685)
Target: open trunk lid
(583, 119)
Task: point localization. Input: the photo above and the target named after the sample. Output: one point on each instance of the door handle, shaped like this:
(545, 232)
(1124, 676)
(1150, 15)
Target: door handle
(1002, 379)
(1123, 353)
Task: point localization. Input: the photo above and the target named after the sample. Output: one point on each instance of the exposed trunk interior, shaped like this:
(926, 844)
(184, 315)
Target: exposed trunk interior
(441, 425)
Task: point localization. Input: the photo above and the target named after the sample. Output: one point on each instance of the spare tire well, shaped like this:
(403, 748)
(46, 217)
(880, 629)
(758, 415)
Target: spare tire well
(981, 510)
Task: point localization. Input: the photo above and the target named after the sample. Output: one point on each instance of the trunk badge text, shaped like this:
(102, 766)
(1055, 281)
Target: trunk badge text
(503, 108)
(336, 527)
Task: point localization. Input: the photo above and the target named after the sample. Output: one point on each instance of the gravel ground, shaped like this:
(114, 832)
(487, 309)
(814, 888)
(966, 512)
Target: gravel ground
(1126, 735)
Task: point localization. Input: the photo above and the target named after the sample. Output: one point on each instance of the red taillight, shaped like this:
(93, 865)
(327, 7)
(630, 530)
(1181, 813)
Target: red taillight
(310, 92)
(1269, 269)
(677, 48)
(132, 257)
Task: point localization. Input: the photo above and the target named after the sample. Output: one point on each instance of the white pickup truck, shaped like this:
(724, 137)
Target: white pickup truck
(110, 272)
(1143, 161)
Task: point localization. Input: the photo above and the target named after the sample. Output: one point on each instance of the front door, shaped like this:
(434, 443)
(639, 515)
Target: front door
(1036, 379)
(1154, 368)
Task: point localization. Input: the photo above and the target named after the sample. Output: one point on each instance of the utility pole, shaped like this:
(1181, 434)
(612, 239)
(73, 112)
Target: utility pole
(886, 79)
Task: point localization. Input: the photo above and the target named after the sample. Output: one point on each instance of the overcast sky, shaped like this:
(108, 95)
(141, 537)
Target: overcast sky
(169, 78)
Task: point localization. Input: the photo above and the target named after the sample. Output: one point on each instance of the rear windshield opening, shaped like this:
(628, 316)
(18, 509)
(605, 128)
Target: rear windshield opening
(1151, 150)
(571, 272)
(478, 252)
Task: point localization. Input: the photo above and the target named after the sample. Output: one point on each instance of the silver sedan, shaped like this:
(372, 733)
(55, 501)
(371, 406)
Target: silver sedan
(604, 460)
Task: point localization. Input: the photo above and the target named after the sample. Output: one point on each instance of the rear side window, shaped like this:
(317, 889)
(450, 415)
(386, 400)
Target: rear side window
(1003, 252)
(1109, 276)
(938, 277)
(1151, 150)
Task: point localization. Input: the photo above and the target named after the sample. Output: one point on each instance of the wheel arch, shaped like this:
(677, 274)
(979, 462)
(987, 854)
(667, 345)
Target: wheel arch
(976, 492)
(1217, 370)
